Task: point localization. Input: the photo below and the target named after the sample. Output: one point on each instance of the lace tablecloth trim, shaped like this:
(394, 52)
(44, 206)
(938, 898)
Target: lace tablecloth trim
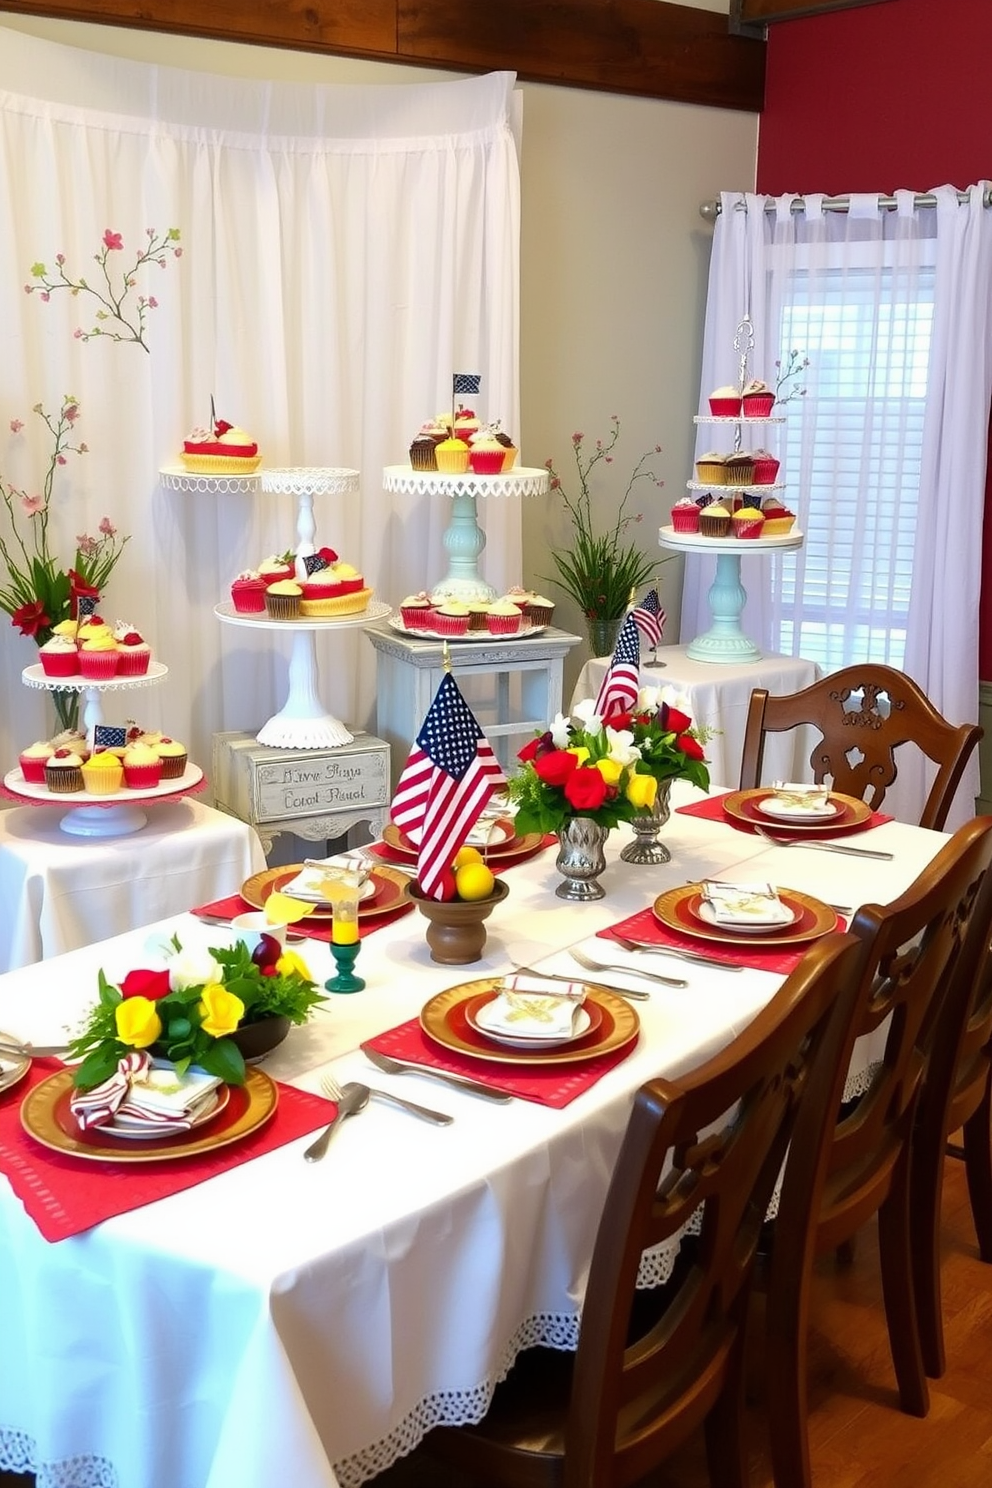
(457, 1407)
(18, 1454)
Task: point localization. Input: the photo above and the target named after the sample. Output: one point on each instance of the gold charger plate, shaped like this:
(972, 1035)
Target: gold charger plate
(679, 910)
(13, 1067)
(743, 807)
(514, 847)
(391, 886)
(445, 1019)
(45, 1115)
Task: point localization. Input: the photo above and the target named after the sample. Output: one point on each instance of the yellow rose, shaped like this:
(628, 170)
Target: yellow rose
(610, 770)
(220, 1011)
(289, 962)
(581, 753)
(138, 1024)
(641, 791)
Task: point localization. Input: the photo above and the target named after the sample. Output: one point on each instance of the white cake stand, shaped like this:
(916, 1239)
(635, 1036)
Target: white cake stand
(113, 816)
(36, 676)
(305, 482)
(178, 478)
(464, 538)
(725, 642)
(303, 722)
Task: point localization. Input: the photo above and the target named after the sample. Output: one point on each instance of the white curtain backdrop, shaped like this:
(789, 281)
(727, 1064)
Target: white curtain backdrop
(757, 256)
(345, 250)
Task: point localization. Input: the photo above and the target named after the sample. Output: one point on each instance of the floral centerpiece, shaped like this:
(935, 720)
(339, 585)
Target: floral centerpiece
(187, 1010)
(600, 772)
(601, 570)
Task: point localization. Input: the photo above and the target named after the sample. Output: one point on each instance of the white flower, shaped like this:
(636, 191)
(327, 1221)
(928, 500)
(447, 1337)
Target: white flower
(192, 967)
(647, 699)
(559, 731)
(586, 713)
(676, 699)
(621, 746)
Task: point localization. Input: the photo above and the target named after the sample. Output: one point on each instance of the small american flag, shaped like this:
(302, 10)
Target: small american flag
(109, 735)
(619, 687)
(315, 563)
(86, 605)
(465, 382)
(446, 782)
(650, 618)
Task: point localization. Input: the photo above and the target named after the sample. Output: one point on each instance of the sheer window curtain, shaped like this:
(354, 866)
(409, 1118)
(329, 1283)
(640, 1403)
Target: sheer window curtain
(345, 249)
(885, 456)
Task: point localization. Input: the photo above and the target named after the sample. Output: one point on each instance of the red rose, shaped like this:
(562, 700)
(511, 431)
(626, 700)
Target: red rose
(30, 618)
(585, 789)
(555, 768)
(689, 746)
(618, 721)
(151, 984)
(674, 721)
(328, 555)
(530, 749)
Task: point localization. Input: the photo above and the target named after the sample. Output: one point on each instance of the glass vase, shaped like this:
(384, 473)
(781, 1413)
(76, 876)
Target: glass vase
(581, 859)
(645, 847)
(66, 700)
(603, 635)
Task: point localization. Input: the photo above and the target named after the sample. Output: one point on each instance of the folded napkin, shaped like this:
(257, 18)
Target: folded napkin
(310, 883)
(528, 1008)
(802, 800)
(746, 904)
(144, 1094)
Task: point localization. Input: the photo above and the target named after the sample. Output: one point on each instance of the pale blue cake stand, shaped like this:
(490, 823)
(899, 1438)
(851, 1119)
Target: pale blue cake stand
(725, 642)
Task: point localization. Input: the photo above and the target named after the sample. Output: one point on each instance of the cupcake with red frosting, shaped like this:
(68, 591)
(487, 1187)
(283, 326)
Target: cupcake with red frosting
(248, 593)
(133, 651)
(33, 759)
(758, 399)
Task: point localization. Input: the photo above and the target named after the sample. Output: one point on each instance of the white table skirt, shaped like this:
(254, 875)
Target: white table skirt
(718, 697)
(289, 1323)
(61, 892)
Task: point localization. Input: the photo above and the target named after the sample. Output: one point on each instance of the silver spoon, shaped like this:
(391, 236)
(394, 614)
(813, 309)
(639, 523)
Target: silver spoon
(426, 1113)
(353, 1098)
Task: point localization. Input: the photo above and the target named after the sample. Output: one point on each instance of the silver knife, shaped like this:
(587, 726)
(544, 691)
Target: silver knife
(391, 1066)
(851, 852)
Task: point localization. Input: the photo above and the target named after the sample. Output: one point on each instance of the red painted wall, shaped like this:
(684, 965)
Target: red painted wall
(881, 97)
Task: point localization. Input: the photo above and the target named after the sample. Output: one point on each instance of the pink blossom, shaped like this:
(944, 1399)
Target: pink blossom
(77, 333)
(16, 425)
(86, 544)
(107, 527)
(60, 459)
(112, 239)
(177, 253)
(45, 296)
(577, 438)
(31, 505)
(152, 302)
(71, 412)
(60, 258)
(82, 449)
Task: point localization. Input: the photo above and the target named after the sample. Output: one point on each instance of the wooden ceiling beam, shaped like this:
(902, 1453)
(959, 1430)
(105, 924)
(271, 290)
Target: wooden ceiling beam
(646, 47)
(765, 12)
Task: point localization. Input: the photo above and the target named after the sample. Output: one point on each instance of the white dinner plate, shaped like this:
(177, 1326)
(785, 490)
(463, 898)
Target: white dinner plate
(146, 1131)
(785, 810)
(479, 1022)
(708, 915)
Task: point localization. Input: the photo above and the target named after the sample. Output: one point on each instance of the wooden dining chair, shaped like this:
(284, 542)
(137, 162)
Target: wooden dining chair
(864, 714)
(922, 953)
(713, 1142)
(957, 1095)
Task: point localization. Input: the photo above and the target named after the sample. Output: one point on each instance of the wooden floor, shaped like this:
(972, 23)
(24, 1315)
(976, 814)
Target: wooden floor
(858, 1436)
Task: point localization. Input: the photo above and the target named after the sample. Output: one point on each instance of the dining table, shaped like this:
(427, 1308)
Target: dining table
(271, 1320)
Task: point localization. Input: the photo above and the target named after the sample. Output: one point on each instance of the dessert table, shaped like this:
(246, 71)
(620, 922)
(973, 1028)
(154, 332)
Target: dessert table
(61, 892)
(287, 1322)
(718, 697)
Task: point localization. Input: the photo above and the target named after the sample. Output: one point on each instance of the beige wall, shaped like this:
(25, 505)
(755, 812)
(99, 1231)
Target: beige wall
(614, 258)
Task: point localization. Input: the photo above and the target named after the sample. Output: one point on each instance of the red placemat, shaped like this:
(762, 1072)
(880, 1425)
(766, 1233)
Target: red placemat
(389, 855)
(645, 926)
(712, 810)
(555, 1086)
(226, 909)
(66, 1195)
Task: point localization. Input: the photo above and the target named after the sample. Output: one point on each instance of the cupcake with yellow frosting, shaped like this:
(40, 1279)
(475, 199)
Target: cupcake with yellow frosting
(102, 774)
(452, 456)
(451, 618)
(173, 756)
(282, 599)
(504, 618)
(142, 767)
(98, 657)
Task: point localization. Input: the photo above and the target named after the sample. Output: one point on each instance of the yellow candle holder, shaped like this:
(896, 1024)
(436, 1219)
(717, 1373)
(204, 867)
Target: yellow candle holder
(343, 894)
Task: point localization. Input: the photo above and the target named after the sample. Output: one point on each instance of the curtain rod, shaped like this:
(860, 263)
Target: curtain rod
(710, 210)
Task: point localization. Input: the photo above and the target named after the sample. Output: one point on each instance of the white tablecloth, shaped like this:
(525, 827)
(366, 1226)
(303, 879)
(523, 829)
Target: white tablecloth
(287, 1323)
(718, 697)
(61, 892)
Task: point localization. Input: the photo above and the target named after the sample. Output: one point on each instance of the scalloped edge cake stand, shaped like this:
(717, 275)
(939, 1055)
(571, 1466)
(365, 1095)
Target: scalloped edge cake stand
(464, 539)
(303, 722)
(110, 817)
(725, 642)
(305, 482)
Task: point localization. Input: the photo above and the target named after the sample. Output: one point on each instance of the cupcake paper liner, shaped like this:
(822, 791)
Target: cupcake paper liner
(33, 770)
(173, 766)
(451, 625)
(64, 782)
(100, 666)
(283, 606)
(142, 777)
(503, 624)
(59, 664)
(133, 663)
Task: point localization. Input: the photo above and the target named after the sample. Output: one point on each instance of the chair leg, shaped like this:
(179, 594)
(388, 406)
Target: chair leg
(724, 1427)
(978, 1168)
(927, 1182)
(894, 1228)
(787, 1317)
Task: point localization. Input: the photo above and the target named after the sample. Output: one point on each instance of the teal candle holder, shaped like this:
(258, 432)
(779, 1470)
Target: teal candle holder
(344, 959)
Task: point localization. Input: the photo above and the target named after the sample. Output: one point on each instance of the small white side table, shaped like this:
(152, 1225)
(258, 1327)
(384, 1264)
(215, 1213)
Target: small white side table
(312, 793)
(514, 687)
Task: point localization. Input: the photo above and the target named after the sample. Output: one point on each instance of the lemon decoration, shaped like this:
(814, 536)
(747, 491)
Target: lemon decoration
(283, 909)
(467, 854)
(474, 881)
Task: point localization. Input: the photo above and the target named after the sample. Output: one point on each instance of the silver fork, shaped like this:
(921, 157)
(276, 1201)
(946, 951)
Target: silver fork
(644, 949)
(837, 847)
(331, 1087)
(651, 976)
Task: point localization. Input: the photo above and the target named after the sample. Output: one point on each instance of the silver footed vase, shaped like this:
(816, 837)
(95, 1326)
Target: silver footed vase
(645, 847)
(581, 859)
